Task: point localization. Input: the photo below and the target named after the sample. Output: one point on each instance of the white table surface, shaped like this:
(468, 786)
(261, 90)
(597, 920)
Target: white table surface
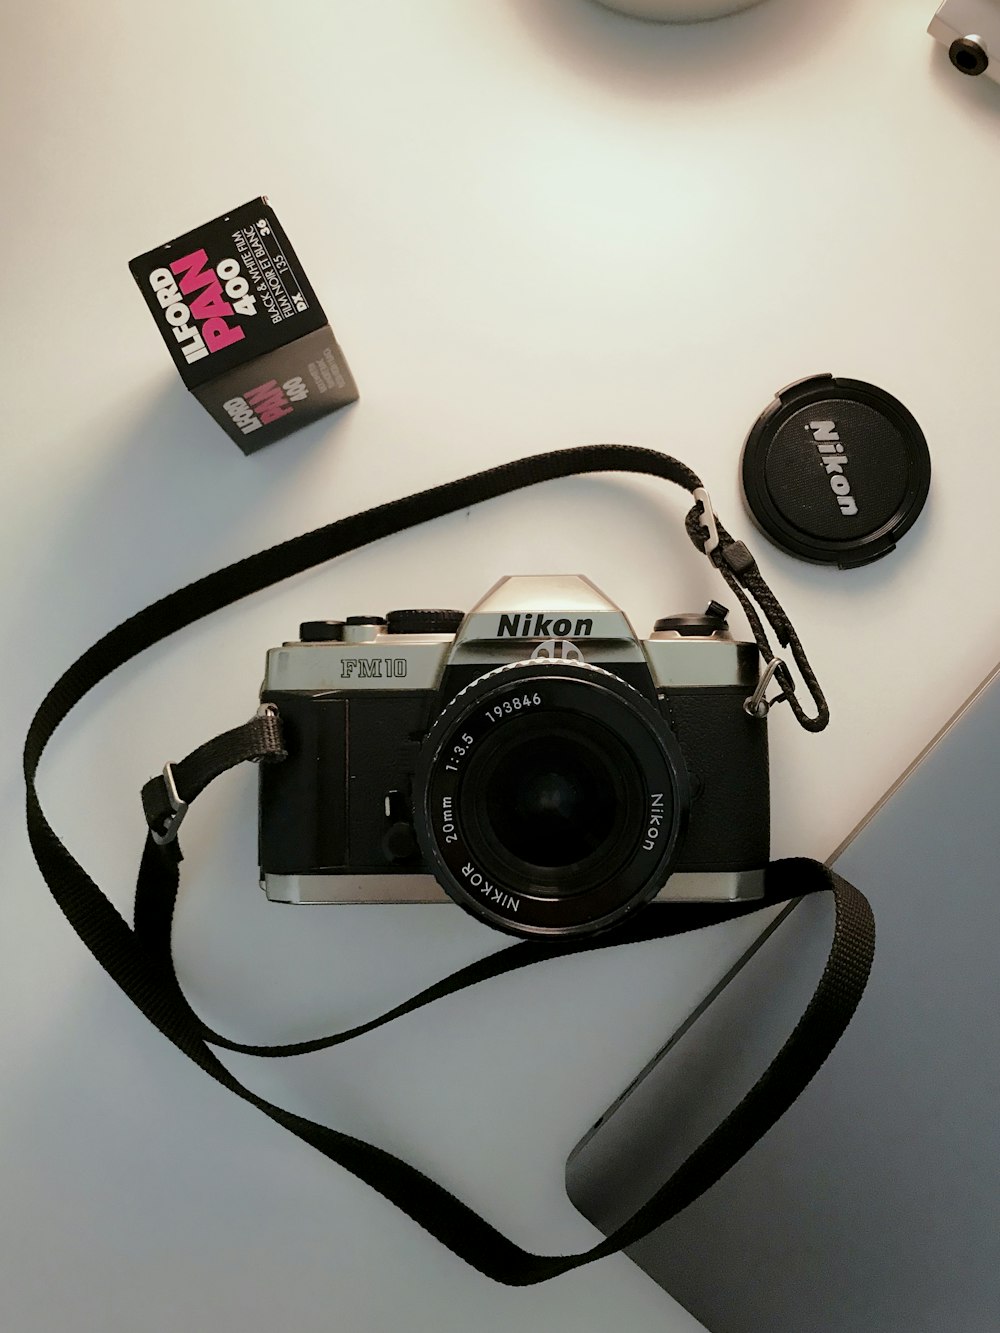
(533, 224)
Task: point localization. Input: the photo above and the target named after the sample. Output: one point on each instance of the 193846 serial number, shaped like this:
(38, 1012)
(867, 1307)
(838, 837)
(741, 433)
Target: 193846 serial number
(495, 713)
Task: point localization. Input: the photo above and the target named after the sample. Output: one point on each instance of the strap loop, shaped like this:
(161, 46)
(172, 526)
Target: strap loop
(758, 705)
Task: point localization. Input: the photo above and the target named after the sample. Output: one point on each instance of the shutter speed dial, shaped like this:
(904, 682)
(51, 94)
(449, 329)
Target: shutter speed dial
(421, 620)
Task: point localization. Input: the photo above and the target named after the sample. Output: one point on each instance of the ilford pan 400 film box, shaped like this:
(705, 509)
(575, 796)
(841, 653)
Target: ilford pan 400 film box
(244, 326)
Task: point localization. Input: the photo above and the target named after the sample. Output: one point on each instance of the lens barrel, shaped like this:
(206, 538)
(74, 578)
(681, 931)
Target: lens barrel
(550, 798)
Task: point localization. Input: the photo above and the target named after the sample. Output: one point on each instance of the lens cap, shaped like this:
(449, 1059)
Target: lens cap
(835, 471)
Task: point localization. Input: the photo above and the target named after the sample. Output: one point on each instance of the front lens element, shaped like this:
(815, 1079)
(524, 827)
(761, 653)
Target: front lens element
(552, 801)
(556, 798)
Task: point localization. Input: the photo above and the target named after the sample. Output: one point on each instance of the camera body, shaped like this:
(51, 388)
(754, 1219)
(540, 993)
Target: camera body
(535, 760)
(970, 30)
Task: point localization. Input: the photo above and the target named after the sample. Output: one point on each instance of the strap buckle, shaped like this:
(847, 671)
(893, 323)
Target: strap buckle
(708, 519)
(180, 808)
(757, 705)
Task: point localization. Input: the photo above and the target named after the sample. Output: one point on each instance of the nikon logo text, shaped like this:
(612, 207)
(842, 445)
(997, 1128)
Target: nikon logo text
(542, 625)
(655, 820)
(834, 460)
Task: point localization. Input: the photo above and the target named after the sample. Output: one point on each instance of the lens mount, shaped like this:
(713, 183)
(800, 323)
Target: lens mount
(550, 798)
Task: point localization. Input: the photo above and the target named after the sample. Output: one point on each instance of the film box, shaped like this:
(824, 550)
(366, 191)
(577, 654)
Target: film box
(244, 327)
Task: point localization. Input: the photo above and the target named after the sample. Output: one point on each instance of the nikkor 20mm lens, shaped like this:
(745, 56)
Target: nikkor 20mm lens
(550, 798)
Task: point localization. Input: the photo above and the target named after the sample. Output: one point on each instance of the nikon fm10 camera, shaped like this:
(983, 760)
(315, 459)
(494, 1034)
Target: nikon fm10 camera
(535, 759)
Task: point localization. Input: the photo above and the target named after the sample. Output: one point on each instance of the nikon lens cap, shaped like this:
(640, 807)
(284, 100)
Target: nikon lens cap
(835, 471)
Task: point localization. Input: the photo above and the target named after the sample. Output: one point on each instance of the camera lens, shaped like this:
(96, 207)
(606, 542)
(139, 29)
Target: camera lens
(556, 798)
(551, 798)
(552, 801)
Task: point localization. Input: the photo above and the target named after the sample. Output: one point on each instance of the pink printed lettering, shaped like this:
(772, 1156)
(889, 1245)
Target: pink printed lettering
(211, 304)
(192, 271)
(218, 334)
(269, 401)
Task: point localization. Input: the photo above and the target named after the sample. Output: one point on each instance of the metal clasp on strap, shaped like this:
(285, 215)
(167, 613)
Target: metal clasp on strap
(757, 705)
(708, 518)
(179, 808)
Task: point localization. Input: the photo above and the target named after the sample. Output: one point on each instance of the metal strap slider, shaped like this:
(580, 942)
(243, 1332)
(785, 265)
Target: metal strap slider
(708, 519)
(178, 807)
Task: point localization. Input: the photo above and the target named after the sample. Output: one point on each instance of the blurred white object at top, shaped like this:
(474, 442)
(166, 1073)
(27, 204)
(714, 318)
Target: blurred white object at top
(970, 29)
(677, 11)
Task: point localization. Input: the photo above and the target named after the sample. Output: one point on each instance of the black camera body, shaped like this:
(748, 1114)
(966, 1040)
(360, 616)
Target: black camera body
(535, 760)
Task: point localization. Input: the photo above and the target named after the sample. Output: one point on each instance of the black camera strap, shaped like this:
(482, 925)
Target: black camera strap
(140, 960)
